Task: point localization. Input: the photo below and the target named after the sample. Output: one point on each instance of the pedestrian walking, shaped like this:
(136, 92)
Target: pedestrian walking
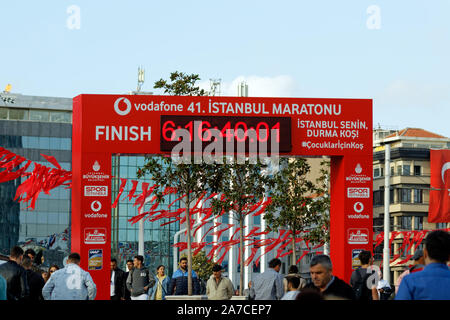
(70, 282)
(359, 277)
(117, 284)
(293, 272)
(161, 287)
(15, 275)
(219, 287)
(32, 255)
(323, 280)
(269, 284)
(45, 275)
(139, 280)
(418, 265)
(130, 266)
(34, 279)
(433, 282)
(179, 282)
(249, 293)
(293, 283)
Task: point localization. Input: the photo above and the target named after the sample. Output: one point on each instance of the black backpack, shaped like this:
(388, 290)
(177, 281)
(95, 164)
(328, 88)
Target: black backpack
(360, 288)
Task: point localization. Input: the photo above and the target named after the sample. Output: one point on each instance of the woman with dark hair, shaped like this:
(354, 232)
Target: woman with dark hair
(39, 259)
(161, 287)
(52, 269)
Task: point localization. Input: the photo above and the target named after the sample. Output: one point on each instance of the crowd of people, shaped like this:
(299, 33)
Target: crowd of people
(427, 279)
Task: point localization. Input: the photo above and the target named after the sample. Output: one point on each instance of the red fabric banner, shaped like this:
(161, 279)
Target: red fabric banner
(439, 208)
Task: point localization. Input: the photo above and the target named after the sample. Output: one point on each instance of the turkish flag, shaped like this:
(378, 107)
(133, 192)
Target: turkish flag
(439, 210)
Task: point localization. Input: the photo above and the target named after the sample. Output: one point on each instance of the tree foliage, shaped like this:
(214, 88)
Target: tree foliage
(244, 184)
(296, 204)
(180, 84)
(190, 180)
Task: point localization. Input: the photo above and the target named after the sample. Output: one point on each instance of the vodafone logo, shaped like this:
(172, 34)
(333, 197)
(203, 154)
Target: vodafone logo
(119, 111)
(96, 205)
(358, 207)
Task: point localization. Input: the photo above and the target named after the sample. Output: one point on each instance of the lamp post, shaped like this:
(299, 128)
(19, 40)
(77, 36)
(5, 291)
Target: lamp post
(387, 188)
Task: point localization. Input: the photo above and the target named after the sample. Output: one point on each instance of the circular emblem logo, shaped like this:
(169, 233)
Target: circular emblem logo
(358, 207)
(117, 108)
(96, 206)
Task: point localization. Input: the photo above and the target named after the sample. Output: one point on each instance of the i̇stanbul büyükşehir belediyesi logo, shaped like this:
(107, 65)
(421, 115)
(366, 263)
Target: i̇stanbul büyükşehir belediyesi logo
(117, 108)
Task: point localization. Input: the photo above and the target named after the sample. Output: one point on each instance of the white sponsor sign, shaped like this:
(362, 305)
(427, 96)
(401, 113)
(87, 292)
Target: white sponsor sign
(358, 193)
(95, 191)
(358, 236)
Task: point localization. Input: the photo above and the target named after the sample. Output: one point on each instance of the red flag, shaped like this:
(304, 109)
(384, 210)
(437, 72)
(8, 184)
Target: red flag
(123, 182)
(52, 160)
(439, 209)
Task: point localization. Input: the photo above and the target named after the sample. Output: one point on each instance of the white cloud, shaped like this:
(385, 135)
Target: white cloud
(401, 93)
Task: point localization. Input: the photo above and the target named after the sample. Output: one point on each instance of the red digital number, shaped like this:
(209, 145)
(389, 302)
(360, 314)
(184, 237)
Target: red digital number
(166, 129)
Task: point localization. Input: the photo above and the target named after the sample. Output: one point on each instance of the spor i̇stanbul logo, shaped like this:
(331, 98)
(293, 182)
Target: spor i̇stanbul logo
(119, 111)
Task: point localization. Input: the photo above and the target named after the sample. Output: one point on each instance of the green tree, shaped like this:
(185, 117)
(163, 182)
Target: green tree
(202, 266)
(292, 207)
(180, 84)
(320, 231)
(189, 179)
(244, 184)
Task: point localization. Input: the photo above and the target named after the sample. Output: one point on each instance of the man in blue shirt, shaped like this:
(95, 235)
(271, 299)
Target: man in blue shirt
(433, 283)
(269, 284)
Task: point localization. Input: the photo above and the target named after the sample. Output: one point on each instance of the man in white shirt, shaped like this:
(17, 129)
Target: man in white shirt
(292, 288)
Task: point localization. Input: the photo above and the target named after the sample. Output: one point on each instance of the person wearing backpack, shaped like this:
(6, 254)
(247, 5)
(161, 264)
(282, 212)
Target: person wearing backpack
(359, 277)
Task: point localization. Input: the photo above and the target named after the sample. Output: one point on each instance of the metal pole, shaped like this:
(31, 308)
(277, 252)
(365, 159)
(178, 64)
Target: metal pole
(387, 188)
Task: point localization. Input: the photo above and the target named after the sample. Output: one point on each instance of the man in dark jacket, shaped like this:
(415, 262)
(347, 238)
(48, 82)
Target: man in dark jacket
(130, 266)
(117, 282)
(34, 279)
(358, 280)
(179, 282)
(139, 280)
(323, 280)
(15, 276)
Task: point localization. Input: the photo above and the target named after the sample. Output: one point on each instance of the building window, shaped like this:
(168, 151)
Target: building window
(399, 170)
(418, 223)
(418, 196)
(18, 114)
(392, 170)
(441, 225)
(417, 170)
(405, 223)
(405, 195)
(3, 113)
(59, 116)
(406, 170)
(39, 115)
(378, 198)
(376, 172)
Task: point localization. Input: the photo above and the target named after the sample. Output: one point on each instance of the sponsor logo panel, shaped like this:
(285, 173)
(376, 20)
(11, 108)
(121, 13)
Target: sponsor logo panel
(95, 259)
(95, 235)
(358, 193)
(358, 236)
(95, 191)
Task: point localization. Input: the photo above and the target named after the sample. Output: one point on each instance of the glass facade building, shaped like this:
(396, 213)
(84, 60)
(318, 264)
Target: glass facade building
(158, 240)
(31, 126)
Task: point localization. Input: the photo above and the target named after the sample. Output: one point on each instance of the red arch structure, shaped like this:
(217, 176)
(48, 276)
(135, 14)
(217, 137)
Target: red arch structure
(138, 124)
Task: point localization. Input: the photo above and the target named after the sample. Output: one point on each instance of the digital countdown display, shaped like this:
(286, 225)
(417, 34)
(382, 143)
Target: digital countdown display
(262, 132)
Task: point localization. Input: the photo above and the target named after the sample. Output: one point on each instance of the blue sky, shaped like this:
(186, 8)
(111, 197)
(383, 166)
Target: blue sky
(281, 48)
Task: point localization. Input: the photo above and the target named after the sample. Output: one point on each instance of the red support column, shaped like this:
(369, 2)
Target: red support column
(351, 211)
